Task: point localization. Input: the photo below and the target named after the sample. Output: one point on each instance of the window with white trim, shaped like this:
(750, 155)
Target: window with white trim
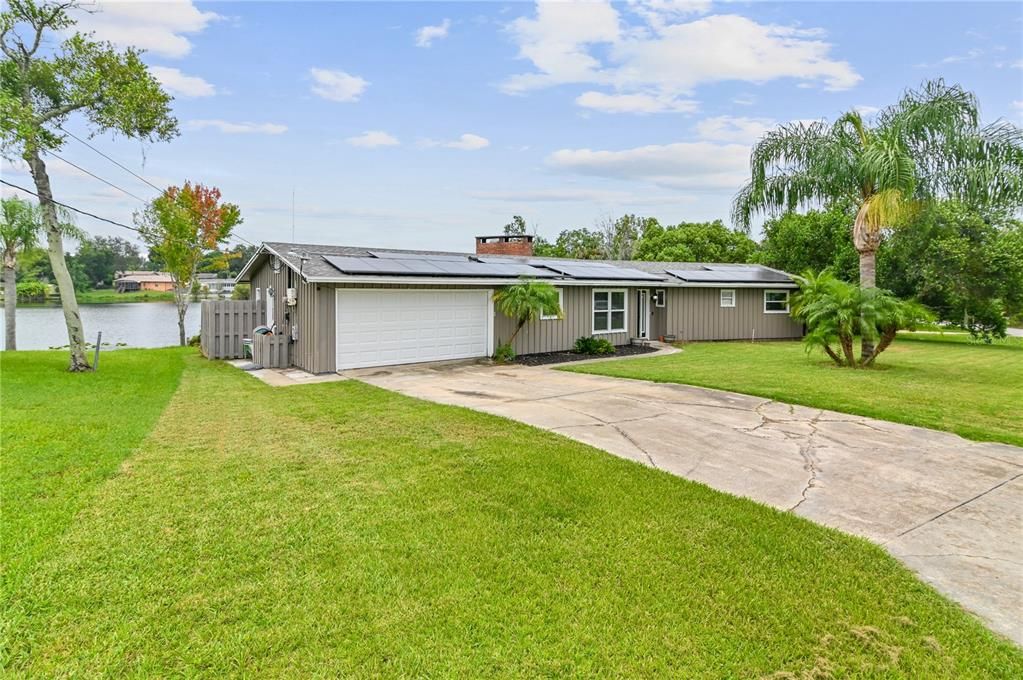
(776, 302)
(660, 298)
(609, 311)
(561, 306)
(727, 297)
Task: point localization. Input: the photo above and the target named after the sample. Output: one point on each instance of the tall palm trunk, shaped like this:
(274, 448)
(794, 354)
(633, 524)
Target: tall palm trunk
(868, 277)
(10, 303)
(55, 249)
(867, 240)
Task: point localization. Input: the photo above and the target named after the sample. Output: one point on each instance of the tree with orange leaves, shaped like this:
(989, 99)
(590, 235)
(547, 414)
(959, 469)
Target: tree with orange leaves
(181, 226)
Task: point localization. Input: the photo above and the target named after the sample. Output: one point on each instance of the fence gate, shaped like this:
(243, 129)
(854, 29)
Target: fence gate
(225, 323)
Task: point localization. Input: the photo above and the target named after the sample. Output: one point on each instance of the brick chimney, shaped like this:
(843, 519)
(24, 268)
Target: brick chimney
(520, 245)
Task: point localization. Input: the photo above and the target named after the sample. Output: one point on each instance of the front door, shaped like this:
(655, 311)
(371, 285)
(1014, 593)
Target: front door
(643, 313)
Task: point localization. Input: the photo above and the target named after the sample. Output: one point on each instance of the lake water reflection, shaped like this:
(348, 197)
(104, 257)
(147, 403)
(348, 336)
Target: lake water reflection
(137, 324)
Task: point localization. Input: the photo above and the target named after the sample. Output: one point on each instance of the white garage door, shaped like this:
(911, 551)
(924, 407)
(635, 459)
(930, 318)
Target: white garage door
(380, 327)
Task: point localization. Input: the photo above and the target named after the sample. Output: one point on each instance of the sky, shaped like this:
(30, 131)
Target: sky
(422, 125)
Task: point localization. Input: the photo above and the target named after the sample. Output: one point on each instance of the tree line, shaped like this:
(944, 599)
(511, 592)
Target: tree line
(965, 264)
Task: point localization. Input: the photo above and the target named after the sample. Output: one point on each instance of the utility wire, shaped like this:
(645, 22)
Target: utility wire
(93, 215)
(74, 209)
(95, 176)
(118, 164)
(126, 169)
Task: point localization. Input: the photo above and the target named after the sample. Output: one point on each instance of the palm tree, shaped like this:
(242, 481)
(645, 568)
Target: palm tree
(526, 301)
(929, 145)
(20, 224)
(836, 311)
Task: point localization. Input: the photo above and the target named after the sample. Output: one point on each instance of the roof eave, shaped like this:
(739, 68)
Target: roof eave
(473, 281)
(243, 275)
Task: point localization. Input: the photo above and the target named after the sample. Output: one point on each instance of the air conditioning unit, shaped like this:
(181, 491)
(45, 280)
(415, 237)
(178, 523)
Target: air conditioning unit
(291, 297)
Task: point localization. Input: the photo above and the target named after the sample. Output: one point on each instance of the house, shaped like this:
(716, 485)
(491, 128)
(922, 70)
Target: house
(131, 281)
(215, 286)
(345, 307)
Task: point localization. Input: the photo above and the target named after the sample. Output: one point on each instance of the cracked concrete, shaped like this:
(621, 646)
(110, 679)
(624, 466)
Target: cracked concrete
(950, 509)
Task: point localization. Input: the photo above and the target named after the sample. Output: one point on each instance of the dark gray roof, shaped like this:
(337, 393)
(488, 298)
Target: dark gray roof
(318, 267)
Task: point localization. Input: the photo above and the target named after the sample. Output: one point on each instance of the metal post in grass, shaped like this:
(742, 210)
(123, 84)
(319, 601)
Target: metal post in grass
(95, 358)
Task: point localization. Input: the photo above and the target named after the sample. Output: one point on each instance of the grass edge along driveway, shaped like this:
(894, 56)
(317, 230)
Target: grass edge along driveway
(343, 529)
(939, 382)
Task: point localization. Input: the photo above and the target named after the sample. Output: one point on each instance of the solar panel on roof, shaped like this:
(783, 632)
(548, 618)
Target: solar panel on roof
(431, 267)
(737, 275)
(598, 270)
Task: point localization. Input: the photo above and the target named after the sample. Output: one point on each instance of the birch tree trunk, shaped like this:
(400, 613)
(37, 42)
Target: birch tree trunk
(55, 249)
(10, 304)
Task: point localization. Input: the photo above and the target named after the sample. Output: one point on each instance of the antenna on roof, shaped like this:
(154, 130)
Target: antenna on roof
(292, 214)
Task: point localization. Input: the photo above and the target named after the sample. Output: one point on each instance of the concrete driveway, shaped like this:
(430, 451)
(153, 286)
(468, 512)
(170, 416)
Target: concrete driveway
(950, 509)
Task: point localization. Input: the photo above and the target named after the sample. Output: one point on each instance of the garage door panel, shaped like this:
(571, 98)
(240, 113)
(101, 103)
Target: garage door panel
(395, 326)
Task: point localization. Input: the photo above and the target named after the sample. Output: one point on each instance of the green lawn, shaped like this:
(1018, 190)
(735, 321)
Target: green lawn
(946, 382)
(108, 295)
(339, 529)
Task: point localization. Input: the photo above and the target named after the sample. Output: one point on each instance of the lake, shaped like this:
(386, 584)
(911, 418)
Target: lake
(137, 324)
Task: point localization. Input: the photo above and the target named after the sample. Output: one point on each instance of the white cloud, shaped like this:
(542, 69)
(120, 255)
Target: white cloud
(969, 55)
(157, 27)
(667, 54)
(230, 128)
(658, 12)
(635, 103)
(1018, 104)
(682, 165)
(466, 142)
(557, 42)
(737, 129)
(745, 100)
(178, 83)
(337, 86)
(865, 110)
(372, 139)
(427, 34)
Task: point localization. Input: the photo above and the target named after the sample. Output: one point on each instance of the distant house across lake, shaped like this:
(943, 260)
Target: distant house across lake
(128, 282)
(214, 286)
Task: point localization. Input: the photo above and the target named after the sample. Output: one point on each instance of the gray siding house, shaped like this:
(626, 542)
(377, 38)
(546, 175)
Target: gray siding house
(343, 307)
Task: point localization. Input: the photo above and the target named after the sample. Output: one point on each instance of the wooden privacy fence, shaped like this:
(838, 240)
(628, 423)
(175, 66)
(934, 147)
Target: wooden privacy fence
(225, 323)
(270, 351)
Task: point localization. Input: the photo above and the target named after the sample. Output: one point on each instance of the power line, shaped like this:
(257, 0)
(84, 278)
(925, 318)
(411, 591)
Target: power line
(74, 209)
(95, 176)
(134, 174)
(92, 215)
(118, 164)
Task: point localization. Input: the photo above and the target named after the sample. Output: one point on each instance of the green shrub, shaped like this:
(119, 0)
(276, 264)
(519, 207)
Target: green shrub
(241, 292)
(194, 341)
(32, 291)
(591, 345)
(504, 353)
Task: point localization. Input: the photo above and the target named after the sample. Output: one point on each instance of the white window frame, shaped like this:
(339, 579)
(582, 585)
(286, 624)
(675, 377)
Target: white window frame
(624, 310)
(561, 306)
(731, 294)
(660, 298)
(776, 311)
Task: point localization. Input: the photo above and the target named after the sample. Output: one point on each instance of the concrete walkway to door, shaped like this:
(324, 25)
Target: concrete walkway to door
(950, 509)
